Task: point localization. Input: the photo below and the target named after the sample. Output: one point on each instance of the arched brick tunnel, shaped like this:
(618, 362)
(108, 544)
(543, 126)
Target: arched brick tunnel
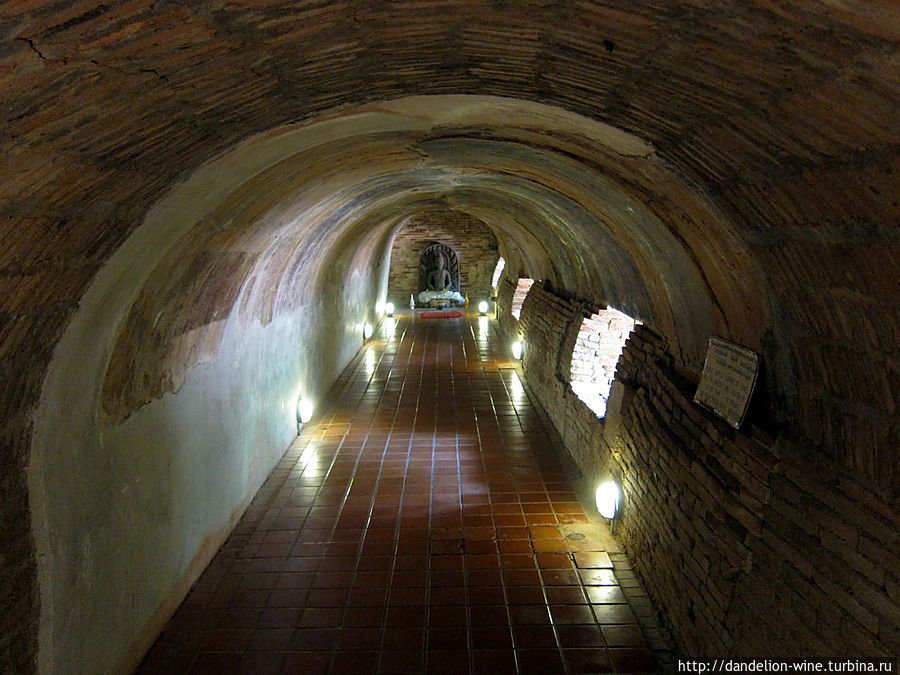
(198, 208)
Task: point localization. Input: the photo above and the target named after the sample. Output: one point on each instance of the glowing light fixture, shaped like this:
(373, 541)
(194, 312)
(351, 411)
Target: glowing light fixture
(304, 410)
(517, 349)
(389, 309)
(483, 307)
(608, 499)
(368, 331)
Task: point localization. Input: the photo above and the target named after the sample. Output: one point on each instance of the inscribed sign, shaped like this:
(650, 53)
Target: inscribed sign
(727, 382)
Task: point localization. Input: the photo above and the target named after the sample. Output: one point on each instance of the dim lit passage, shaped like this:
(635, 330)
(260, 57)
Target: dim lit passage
(423, 521)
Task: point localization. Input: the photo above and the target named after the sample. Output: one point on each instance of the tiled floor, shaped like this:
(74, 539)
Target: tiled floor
(421, 523)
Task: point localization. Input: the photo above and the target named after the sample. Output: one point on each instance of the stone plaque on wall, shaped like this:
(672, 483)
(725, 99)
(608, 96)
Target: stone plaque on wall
(727, 382)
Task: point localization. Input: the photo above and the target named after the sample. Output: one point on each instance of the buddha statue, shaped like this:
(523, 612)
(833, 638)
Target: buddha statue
(439, 278)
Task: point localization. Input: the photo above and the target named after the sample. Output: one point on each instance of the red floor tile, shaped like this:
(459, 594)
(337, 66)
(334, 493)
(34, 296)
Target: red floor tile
(580, 635)
(623, 636)
(447, 661)
(270, 639)
(491, 637)
(629, 660)
(539, 661)
(263, 663)
(587, 660)
(314, 639)
(401, 662)
(430, 530)
(215, 664)
(489, 661)
(308, 663)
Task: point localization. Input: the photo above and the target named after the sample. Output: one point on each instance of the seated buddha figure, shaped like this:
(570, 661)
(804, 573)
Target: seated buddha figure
(439, 278)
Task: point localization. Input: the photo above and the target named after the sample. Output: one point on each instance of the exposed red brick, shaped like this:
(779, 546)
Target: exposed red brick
(474, 244)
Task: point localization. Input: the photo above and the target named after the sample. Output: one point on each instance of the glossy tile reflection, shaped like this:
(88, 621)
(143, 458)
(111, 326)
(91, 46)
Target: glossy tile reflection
(421, 523)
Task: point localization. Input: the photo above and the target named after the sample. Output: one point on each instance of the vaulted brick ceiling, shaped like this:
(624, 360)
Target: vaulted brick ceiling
(718, 167)
(775, 117)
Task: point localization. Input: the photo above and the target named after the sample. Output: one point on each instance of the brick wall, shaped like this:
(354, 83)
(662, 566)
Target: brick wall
(505, 291)
(751, 544)
(601, 338)
(754, 544)
(475, 246)
(551, 325)
(521, 292)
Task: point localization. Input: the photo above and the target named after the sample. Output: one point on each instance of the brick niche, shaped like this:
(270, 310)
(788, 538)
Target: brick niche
(475, 246)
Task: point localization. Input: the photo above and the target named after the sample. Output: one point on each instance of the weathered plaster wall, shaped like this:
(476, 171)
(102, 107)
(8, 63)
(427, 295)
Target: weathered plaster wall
(151, 498)
(506, 288)
(155, 472)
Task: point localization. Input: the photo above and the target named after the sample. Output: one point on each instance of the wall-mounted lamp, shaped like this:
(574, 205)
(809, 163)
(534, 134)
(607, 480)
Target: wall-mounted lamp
(389, 309)
(483, 307)
(517, 349)
(304, 411)
(607, 497)
(368, 331)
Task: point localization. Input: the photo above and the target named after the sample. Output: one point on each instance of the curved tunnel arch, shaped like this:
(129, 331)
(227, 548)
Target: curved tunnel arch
(776, 161)
(298, 238)
(551, 195)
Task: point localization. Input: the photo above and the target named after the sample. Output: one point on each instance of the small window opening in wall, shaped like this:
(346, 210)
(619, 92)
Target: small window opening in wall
(498, 270)
(597, 350)
(518, 298)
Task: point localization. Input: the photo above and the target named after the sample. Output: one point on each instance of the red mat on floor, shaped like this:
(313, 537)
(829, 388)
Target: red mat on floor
(441, 315)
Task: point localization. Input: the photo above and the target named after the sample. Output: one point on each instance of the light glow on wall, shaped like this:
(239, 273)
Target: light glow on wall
(522, 287)
(304, 410)
(368, 331)
(607, 498)
(498, 270)
(517, 349)
(389, 309)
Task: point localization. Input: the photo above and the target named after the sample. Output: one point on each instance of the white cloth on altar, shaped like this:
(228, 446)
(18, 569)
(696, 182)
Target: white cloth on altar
(425, 297)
